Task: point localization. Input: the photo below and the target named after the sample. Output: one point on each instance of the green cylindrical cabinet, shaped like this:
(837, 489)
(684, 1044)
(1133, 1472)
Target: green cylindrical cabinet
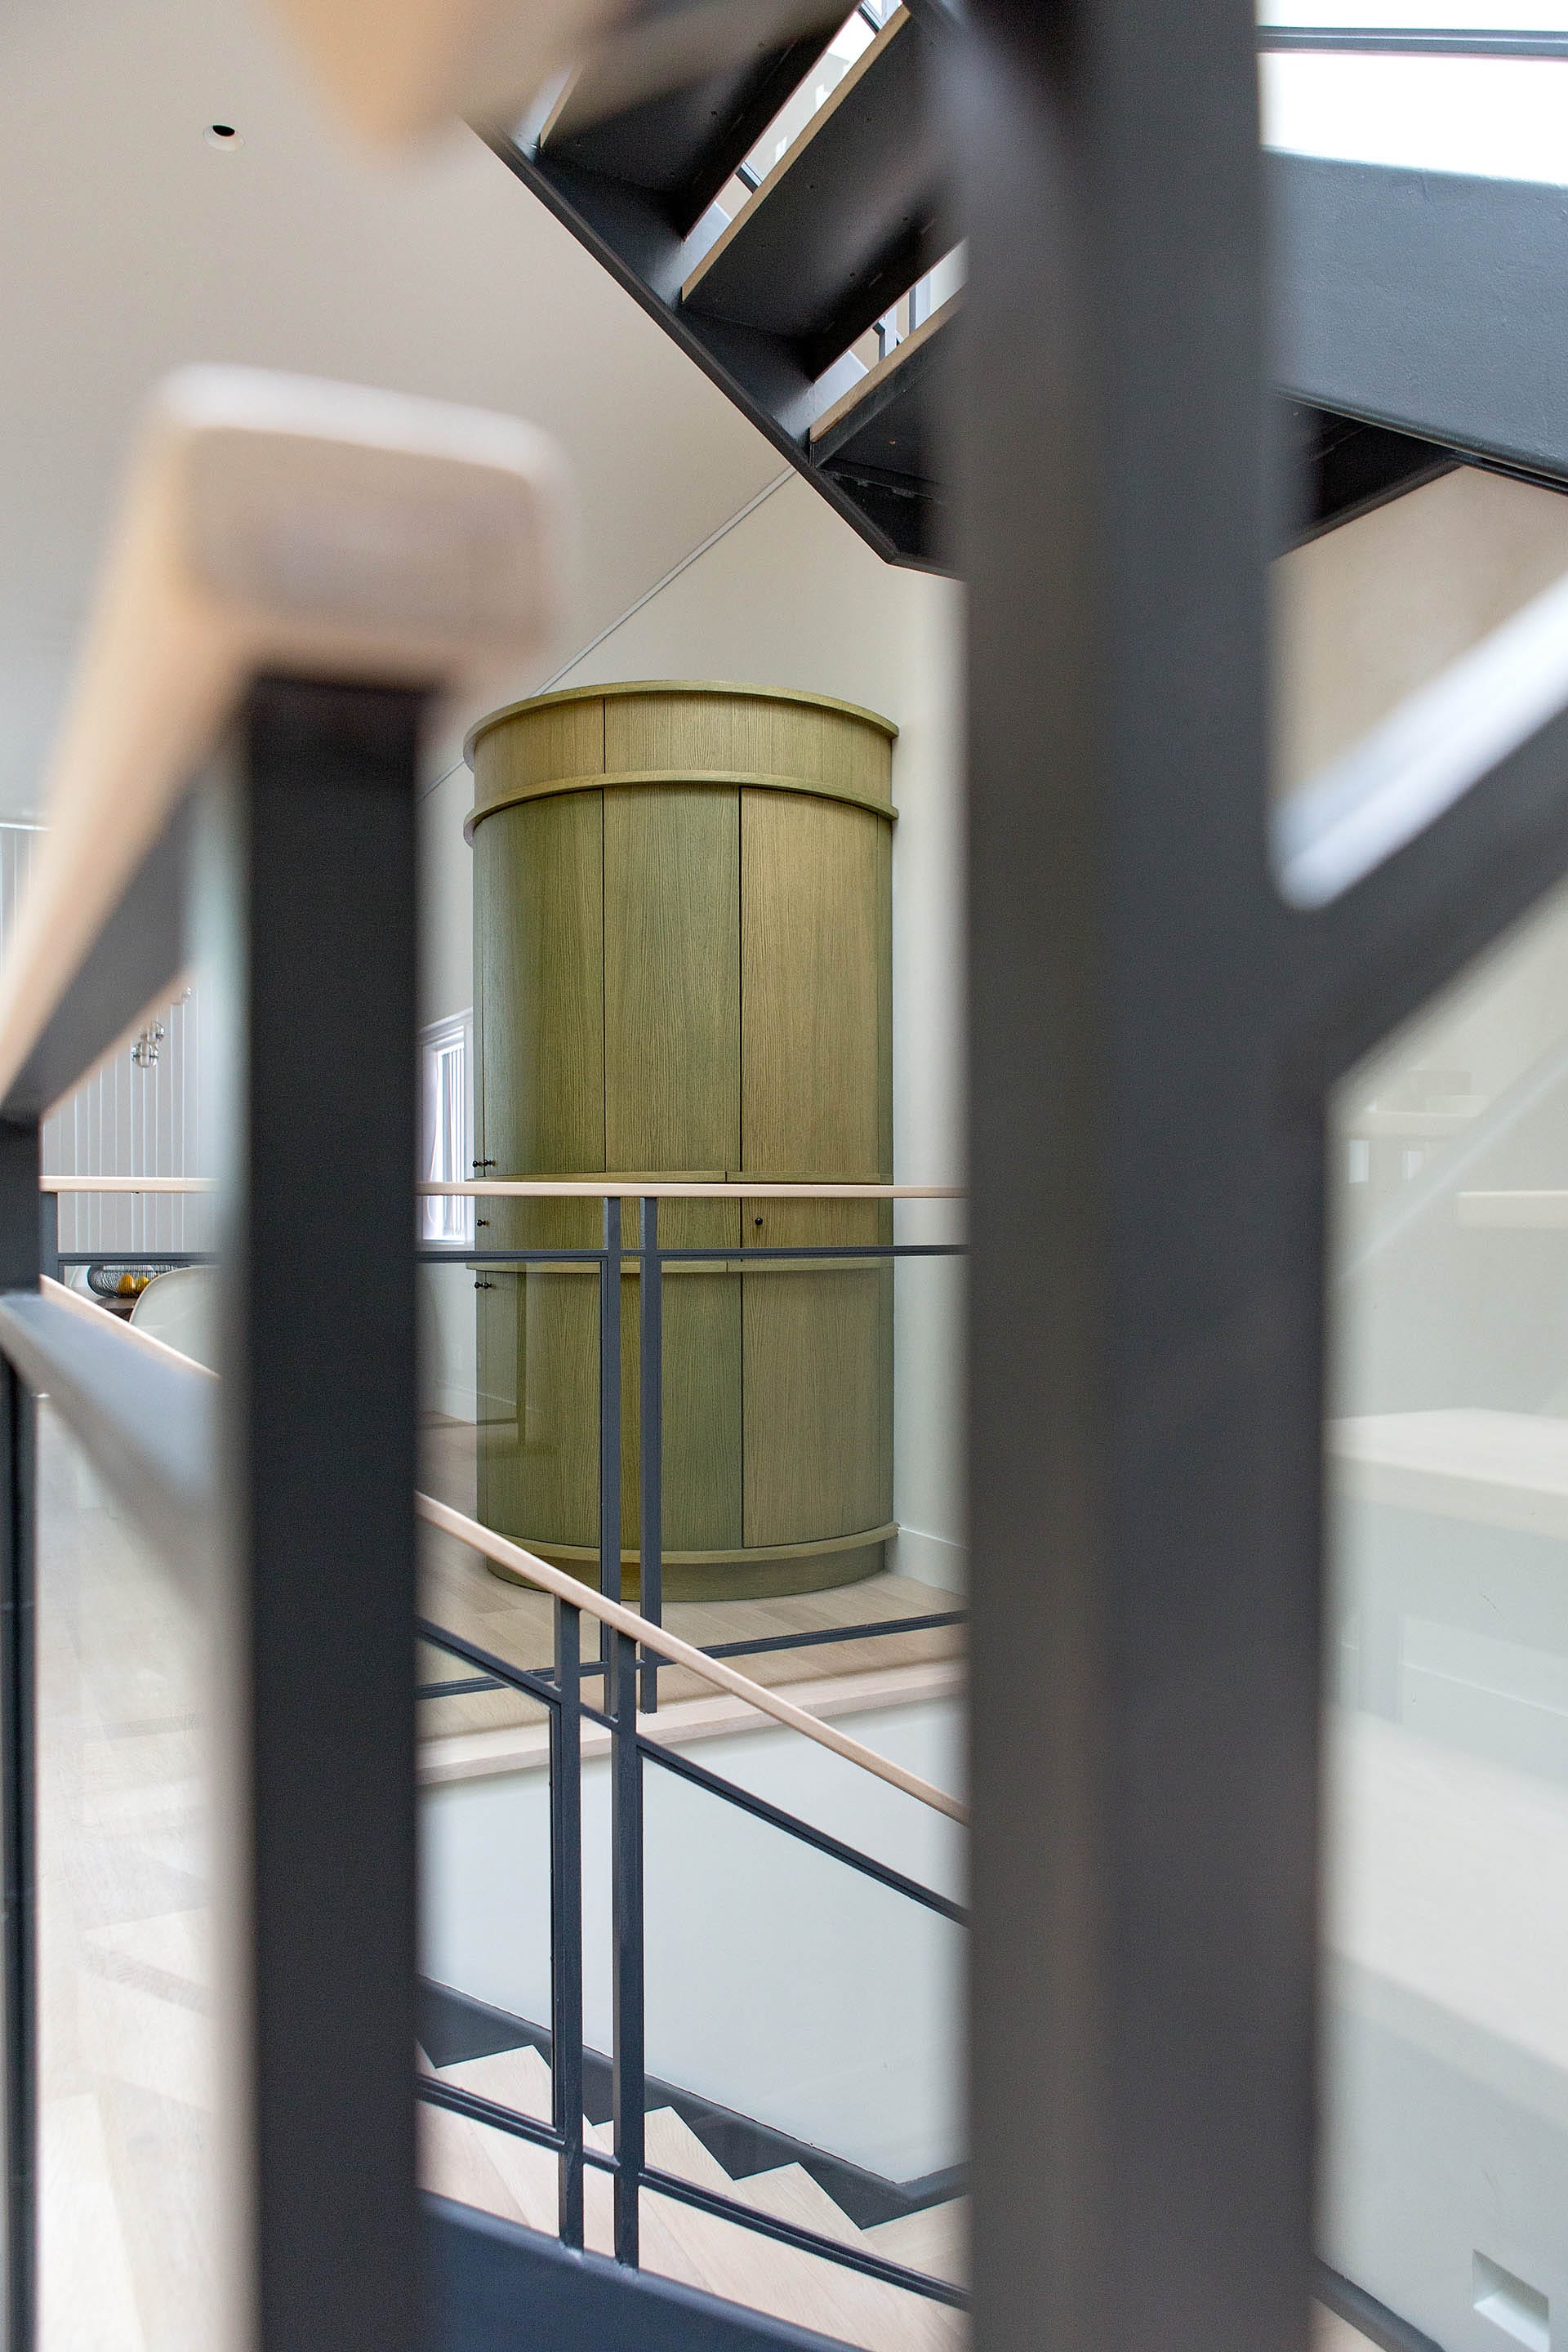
(683, 927)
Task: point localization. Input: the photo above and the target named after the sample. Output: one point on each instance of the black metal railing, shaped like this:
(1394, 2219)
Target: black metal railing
(650, 1260)
(630, 1674)
(628, 1669)
(560, 1692)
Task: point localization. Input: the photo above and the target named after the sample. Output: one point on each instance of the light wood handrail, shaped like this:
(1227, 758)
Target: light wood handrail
(654, 1188)
(240, 547)
(613, 1613)
(127, 1184)
(573, 1188)
(622, 1619)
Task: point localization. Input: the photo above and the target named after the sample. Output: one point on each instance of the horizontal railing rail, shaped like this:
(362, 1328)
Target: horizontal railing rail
(534, 1685)
(564, 1586)
(562, 1188)
(650, 1255)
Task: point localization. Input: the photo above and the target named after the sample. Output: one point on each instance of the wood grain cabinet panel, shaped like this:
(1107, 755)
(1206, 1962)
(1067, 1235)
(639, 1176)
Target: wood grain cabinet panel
(686, 972)
(538, 943)
(672, 977)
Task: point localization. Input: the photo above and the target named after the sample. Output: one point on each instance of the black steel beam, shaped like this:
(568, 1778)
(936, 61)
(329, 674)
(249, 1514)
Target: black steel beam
(1341, 467)
(1144, 1316)
(1427, 301)
(1415, 320)
(623, 229)
(492, 2286)
(683, 145)
(315, 921)
(846, 222)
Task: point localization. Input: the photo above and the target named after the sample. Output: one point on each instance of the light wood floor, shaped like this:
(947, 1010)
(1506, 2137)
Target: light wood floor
(128, 2039)
(459, 1593)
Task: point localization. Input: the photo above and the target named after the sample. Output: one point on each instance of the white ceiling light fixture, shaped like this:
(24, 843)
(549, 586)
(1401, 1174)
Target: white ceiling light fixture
(223, 136)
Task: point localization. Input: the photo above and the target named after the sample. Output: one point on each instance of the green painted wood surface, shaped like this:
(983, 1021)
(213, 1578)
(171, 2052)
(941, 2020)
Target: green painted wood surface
(743, 1003)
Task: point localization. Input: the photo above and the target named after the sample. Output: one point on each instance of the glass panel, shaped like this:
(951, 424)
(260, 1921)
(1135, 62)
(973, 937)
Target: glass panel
(134, 2017)
(1445, 2150)
(802, 2049)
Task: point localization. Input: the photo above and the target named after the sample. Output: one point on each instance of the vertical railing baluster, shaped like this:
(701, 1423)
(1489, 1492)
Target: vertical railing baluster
(619, 1654)
(566, 1917)
(20, 1235)
(610, 1407)
(312, 910)
(49, 1234)
(650, 1299)
(626, 1929)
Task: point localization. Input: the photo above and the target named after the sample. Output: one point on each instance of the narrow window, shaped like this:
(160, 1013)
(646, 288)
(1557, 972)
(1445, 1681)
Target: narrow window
(447, 1119)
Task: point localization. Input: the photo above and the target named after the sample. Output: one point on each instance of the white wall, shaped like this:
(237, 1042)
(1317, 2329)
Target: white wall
(780, 1983)
(791, 597)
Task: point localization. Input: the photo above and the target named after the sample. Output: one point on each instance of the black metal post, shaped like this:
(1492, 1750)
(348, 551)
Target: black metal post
(316, 930)
(650, 1302)
(566, 1917)
(627, 1930)
(20, 1238)
(49, 1234)
(1147, 1258)
(610, 1406)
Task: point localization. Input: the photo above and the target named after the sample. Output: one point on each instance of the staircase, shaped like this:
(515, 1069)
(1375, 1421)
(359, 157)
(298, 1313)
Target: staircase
(502, 2174)
(785, 219)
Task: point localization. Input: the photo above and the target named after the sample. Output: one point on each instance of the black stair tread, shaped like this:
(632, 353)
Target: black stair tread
(1346, 467)
(882, 421)
(881, 436)
(683, 145)
(846, 222)
(877, 443)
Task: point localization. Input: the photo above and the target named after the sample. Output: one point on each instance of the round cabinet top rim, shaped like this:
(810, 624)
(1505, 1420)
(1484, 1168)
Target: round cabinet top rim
(572, 757)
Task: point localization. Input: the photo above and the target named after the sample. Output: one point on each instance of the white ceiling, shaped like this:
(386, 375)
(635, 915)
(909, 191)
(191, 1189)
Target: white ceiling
(129, 245)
